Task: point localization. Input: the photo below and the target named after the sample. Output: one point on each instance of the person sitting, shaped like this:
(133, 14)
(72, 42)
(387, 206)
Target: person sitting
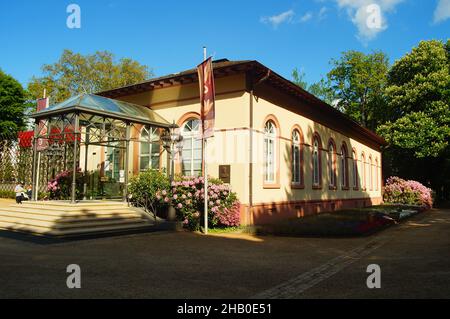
(29, 191)
(19, 193)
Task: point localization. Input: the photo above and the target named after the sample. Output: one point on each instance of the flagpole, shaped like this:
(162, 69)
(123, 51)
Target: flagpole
(206, 186)
(205, 172)
(36, 187)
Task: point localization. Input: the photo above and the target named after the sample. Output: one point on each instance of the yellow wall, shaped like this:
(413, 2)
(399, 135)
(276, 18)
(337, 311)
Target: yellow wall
(226, 147)
(231, 142)
(287, 120)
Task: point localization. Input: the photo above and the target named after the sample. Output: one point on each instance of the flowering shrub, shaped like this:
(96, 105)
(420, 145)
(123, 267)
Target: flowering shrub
(61, 186)
(229, 216)
(143, 188)
(187, 196)
(409, 192)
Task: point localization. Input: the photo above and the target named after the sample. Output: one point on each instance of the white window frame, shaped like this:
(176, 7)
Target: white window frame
(193, 134)
(344, 167)
(316, 163)
(355, 170)
(376, 174)
(331, 168)
(296, 158)
(363, 172)
(153, 141)
(270, 139)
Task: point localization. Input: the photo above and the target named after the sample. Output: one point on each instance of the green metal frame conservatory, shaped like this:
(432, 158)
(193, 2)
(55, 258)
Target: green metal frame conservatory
(83, 121)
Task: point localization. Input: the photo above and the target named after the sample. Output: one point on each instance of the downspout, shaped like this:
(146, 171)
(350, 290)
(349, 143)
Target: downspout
(250, 162)
(252, 86)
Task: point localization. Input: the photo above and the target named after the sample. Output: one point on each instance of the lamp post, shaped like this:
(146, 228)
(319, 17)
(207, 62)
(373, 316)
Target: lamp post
(173, 143)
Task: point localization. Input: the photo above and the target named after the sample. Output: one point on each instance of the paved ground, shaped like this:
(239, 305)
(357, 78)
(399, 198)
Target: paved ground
(414, 259)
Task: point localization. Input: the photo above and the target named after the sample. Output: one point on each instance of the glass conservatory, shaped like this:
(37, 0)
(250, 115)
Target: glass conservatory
(97, 143)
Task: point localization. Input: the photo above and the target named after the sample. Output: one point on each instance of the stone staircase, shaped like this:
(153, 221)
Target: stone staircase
(63, 219)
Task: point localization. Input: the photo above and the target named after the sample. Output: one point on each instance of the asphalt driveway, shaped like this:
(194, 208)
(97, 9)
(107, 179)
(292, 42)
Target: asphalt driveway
(414, 258)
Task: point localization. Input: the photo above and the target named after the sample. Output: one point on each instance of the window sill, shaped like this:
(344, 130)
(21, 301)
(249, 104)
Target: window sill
(345, 188)
(317, 187)
(271, 186)
(332, 188)
(356, 188)
(297, 186)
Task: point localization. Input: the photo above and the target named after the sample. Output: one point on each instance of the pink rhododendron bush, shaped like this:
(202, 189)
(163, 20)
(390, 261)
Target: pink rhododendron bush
(186, 194)
(400, 191)
(60, 187)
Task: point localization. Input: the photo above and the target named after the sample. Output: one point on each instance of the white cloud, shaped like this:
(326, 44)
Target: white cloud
(306, 17)
(322, 13)
(442, 11)
(369, 16)
(276, 20)
(290, 17)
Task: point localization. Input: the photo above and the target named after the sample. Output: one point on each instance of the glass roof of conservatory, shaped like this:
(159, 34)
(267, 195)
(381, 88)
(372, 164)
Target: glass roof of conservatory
(102, 106)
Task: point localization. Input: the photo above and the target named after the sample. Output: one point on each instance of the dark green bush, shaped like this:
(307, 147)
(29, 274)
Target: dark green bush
(7, 194)
(144, 187)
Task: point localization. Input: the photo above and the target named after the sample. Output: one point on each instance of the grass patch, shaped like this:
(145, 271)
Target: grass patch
(221, 230)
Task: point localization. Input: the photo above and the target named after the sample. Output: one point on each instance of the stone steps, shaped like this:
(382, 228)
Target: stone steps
(68, 223)
(36, 230)
(58, 214)
(68, 207)
(53, 218)
(71, 226)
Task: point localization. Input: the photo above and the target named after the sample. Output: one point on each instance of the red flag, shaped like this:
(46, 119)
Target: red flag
(42, 144)
(207, 94)
(42, 104)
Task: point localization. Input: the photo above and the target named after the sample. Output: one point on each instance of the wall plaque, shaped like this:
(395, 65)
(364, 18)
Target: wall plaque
(225, 173)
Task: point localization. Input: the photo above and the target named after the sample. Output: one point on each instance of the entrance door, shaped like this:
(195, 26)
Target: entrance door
(114, 176)
(107, 182)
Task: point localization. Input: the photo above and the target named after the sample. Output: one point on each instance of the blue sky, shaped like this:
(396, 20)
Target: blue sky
(168, 35)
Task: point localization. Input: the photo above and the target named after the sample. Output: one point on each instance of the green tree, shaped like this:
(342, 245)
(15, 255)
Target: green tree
(321, 89)
(358, 81)
(74, 73)
(419, 100)
(13, 105)
(418, 96)
(298, 77)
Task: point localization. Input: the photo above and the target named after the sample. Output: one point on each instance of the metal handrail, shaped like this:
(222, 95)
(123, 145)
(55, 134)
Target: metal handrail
(142, 204)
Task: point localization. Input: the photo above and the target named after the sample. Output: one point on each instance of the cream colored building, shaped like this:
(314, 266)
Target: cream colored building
(287, 153)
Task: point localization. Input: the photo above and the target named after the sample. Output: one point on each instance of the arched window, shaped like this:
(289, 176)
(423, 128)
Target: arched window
(316, 162)
(355, 170)
(376, 173)
(296, 158)
(331, 164)
(270, 135)
(370, 173)
(192, 148)
(344, 167)
(149, 149)
(363, 171)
